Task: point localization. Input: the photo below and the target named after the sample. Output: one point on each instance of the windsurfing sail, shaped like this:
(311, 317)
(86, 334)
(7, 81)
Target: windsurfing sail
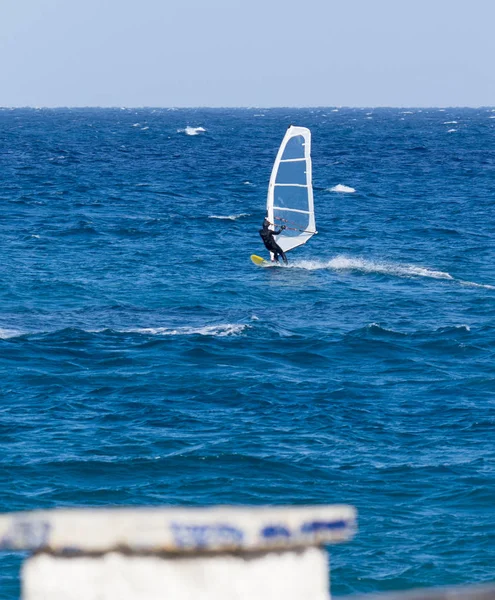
(290, 191)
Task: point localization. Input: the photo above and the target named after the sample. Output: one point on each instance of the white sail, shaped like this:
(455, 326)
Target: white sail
(290, 192)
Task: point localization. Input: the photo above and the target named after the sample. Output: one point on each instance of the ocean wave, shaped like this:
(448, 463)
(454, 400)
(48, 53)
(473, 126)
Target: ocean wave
(192, 130)
(229, 217)
(343, 263)
(341, 189)
(454, 329)
(378, 330)
(486, 286)
(211, 330)
(451, 130)
(221, 330)
(5, 334)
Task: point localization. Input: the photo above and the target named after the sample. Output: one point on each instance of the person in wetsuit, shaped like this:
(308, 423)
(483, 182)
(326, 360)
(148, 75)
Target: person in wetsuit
(270, 244)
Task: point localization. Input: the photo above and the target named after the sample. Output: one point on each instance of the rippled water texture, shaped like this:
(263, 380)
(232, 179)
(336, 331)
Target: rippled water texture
(146, 360)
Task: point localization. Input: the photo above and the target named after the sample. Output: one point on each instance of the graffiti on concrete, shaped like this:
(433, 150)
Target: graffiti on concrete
(206, 536)
(25, 534)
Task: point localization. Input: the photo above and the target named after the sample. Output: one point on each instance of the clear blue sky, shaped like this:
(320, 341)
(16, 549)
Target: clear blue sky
(247, 52)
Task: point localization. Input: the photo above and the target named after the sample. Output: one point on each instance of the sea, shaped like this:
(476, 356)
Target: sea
(145, 360)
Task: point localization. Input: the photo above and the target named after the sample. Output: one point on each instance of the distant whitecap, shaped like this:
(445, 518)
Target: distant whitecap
(9, 333)
(342, 189)
(213, 330)
(192, 130)
(229, 217)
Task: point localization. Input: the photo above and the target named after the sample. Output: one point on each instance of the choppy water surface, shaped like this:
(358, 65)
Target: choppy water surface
(145, 360)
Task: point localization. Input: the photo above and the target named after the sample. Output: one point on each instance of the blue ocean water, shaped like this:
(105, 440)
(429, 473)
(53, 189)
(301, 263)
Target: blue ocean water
(145, 361)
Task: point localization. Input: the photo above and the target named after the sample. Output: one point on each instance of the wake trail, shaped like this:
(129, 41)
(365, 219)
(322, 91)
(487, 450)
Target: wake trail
(343, 263)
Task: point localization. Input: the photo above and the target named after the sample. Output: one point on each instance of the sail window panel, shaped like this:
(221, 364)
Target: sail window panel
(288, 196)
(292, 172)
(295, 222)
(294, 148)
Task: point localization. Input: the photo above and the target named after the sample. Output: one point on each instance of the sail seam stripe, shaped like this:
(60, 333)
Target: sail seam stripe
(305, 212)
(291, 185)
(293, 160)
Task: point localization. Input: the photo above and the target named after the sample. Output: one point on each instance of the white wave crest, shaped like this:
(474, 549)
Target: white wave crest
(9, 333)
(477, 285)
(464, 327)
(229, 217)
(450, 122)
(451, 130)
(342, 189)
(213, 330)
(343, 263)
(192, 130)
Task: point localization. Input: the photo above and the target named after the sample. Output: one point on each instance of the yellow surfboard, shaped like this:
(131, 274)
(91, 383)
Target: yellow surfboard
(260, 262)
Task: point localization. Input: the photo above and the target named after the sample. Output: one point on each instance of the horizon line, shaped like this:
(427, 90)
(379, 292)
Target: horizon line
(251, 107)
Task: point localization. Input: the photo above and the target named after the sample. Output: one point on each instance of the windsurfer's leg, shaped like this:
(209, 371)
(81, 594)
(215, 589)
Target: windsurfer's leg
(280, 252)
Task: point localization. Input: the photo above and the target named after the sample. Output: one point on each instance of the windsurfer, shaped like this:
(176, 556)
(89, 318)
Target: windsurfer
(270, 244)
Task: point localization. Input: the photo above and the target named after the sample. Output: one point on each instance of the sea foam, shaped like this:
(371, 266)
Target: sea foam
(9, 333)
(342, 189)
(213, 330)
(344, 263)
(229, 217)
(192, 130)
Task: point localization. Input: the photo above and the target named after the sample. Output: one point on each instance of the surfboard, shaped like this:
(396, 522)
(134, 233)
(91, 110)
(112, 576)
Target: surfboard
(260, 262)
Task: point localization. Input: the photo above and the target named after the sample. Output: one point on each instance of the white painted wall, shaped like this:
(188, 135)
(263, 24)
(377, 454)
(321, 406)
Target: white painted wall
(288, 575)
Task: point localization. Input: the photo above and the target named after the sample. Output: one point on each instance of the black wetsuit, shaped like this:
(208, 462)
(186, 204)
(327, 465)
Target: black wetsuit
(270, 244)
